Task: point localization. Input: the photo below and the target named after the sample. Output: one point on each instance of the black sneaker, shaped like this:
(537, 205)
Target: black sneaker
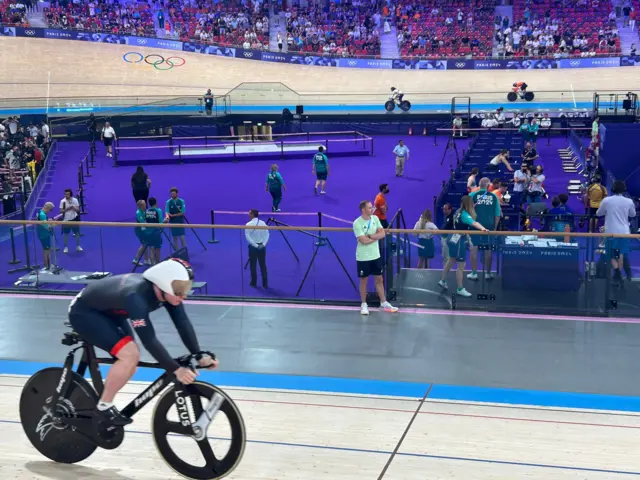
(113, 416)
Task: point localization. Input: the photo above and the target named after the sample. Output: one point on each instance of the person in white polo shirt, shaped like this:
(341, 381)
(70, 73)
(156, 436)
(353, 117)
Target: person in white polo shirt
(401, 151)
(369, 232)
(616, 210)
(70, 210)
(257, 240)
(108, 137)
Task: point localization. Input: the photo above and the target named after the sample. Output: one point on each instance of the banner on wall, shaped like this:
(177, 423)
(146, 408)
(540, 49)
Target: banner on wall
(460, 64)
(154, 43)
(420, 64)
(630, 61)
(589, 62)
(320, 60)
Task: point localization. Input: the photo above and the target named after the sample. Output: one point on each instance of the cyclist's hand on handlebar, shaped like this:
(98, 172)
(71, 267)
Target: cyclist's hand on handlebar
(185, 375)
(208, 363)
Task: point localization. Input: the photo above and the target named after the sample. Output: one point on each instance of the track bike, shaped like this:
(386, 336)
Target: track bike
(514, 95)
(390, 105)
(57, 405)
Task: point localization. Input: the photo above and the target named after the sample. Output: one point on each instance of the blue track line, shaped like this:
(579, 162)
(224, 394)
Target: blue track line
(403, 454)
(504, 396)
(310, 109)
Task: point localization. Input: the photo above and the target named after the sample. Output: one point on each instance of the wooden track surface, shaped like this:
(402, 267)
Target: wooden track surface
(97, 69)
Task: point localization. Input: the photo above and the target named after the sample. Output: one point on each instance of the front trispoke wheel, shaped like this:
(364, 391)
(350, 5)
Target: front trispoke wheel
(209, 457)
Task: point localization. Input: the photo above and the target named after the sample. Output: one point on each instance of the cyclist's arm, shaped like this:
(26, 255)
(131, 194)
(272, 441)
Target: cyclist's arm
(184, 327)
(139, 314)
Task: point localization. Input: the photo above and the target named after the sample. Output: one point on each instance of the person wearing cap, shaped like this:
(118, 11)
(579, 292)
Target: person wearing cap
(106, 313)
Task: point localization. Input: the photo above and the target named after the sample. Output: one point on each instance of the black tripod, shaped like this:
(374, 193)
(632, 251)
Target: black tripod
(451, 144)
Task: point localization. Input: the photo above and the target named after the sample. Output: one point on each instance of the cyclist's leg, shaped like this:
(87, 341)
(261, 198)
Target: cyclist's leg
(113, 335)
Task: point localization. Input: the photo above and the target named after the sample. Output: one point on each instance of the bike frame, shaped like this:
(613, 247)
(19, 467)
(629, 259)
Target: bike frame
(91, 361)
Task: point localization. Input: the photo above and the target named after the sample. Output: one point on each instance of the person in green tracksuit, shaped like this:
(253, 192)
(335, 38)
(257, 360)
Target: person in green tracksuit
(174, 212)
(141, 233)
(154, 235)
(525, 131)
(44, 235)
(320, 170)
(487, 208)
(275, 186)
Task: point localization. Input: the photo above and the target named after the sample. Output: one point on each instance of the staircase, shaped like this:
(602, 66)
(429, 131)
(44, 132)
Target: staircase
(36, 19)
(389, 43)
(277, 24)
(627, 37)
(502, 11)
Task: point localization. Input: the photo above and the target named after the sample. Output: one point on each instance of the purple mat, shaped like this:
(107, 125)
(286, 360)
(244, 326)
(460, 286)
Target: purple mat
(239, 187)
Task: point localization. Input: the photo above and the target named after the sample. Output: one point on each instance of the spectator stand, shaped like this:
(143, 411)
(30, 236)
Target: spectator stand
(435, 30)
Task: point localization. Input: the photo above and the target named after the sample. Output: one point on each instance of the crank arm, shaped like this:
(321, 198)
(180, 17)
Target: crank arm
(201, 425)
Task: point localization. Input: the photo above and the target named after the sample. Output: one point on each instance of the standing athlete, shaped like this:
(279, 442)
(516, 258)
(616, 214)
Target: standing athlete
(101, 312)
(275, 185)
(320, 170)
(487, 208)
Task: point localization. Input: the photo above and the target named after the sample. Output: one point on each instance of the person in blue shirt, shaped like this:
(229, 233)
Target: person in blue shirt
(275, 186)
(463, 221)
(44, 233)
(401, 151)
(153, 236)
(525, 131)
(174, 213)
(560, 216)
(320, 170)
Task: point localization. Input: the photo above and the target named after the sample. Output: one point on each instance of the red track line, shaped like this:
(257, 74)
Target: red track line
(441, 414)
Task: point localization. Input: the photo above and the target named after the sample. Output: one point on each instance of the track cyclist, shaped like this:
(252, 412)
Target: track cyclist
(100, 314)
(396, 95)
(520, 88)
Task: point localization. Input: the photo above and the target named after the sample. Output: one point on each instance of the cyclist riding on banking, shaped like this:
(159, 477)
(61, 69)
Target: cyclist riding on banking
(396, 95)
(100, 314)
(520, 88)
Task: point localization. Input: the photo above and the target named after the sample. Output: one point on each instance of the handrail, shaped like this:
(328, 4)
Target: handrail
(311, 227)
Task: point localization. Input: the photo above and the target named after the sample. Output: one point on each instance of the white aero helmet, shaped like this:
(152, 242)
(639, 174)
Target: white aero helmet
(165, 273)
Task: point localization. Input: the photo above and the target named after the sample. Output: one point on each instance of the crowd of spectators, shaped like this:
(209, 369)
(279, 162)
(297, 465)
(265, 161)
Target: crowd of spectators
(15, 12)
(134, 18)
(558, 28)
(349, 28)
(437, 29)
(233, 23)
(23, 150)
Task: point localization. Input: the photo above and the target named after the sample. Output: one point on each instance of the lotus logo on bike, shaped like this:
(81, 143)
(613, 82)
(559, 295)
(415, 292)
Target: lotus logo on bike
(149, 394)
(46, 423)
(183, 409)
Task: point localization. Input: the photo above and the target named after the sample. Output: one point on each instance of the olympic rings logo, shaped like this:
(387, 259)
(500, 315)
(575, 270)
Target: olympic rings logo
(156, 61)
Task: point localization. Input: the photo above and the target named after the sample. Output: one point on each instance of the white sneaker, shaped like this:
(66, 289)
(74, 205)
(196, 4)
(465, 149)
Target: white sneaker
(489, 276)
(323, 192)
(66, 250)
(463, 292)
(387, 307)
(78, 248)
(472, 276)
(443, 284)
(364, 309)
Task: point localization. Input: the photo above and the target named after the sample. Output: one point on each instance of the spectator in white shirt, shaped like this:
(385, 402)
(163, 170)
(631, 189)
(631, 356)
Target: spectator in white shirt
(617, 210)
(70, 211)
(108, 137)
(45, 131)
(257, 240)
(520, 181)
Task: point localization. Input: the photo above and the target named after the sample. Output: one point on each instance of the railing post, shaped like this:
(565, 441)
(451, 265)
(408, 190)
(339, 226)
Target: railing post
(213, 230)
(13, 260)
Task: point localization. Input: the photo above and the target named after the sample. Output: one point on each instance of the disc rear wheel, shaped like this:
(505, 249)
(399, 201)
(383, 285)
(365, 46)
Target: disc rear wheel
(53, 439)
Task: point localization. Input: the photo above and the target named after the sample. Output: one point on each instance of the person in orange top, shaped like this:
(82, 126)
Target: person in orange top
(495, 185)
(381, 206)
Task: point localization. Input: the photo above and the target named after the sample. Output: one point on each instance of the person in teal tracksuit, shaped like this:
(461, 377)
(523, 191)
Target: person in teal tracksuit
(44, 235)
(174, 212)
(275, 186)
(141, 233)
(525, 130)
(320, 170)
(154, 235)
